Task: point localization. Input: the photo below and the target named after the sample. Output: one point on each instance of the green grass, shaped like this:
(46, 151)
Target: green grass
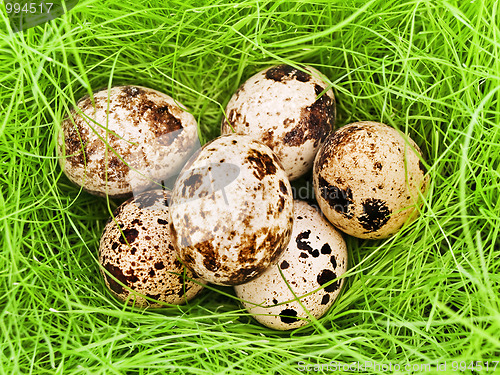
(427, 295)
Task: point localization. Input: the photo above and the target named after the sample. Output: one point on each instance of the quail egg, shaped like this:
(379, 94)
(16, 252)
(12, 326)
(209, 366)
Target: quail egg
(137, 256)
(231, 210)
(125, 140)
(309, 270)
(367, 179)
(288, 109)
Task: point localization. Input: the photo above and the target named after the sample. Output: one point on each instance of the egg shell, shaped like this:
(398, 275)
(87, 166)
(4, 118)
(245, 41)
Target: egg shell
(231, 210)
(280, 107)
(136, 249)
(315, 256)
(149, 136)
(367, 179)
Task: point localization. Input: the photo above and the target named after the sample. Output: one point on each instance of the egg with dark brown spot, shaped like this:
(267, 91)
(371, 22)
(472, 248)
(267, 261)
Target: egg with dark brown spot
(231, 210)
(137, 258)
(125, 140)
(311, 269)
(288, 109)
(368, 179)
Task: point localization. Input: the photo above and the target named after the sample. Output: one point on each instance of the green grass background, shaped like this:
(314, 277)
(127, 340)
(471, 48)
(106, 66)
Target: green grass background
(427, 295)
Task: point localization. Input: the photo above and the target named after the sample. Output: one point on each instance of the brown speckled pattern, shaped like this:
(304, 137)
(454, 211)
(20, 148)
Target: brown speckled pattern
(149, 137)
(316, 255)
(136, 249)
(278, 106)
(231, 210)
(367, 178)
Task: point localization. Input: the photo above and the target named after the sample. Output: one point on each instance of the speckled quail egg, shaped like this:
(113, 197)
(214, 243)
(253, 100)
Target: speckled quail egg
(231, 210)
(367, 179)
(282, 107)
(149, 137)
(311, 266)
(136, 253)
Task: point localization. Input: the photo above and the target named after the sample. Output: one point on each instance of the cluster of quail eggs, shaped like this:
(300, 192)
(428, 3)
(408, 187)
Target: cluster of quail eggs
(231, 217)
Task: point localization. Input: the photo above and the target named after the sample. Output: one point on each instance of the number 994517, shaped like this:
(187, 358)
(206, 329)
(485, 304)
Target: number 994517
(477, 366)
(12, 7)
